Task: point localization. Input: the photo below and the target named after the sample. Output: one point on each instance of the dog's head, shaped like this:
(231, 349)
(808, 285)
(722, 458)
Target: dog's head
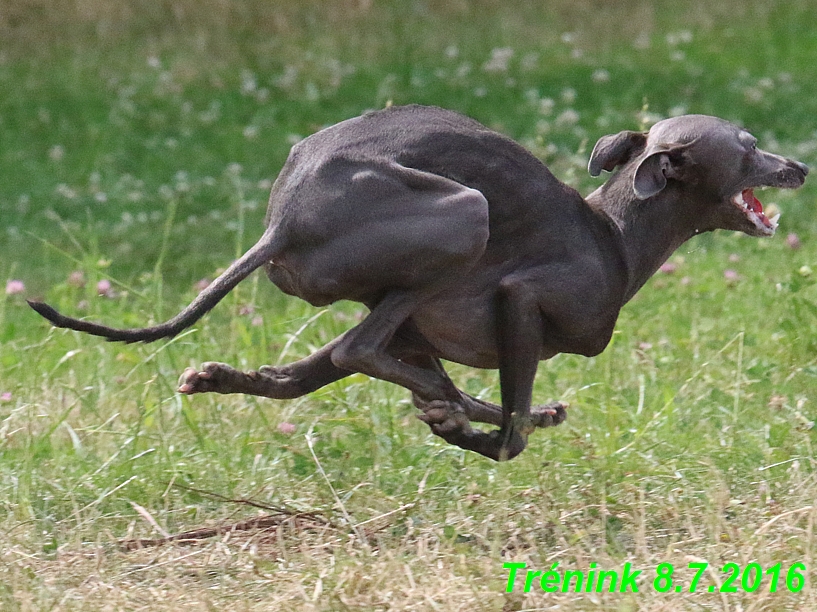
(716, 162)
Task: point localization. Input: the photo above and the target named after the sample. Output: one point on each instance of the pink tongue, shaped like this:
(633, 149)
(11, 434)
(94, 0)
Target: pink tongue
(751, 201)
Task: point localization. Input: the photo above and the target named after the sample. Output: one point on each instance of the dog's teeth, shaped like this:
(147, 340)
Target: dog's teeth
(775, 219)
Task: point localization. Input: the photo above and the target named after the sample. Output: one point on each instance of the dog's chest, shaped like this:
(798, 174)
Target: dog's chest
(462, 325)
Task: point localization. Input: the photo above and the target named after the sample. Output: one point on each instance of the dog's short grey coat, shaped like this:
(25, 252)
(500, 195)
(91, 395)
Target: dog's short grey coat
(465, 247)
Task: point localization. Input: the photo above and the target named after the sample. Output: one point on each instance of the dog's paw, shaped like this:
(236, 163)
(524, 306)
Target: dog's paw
(446, 419)
(201, 381)
(549, 415)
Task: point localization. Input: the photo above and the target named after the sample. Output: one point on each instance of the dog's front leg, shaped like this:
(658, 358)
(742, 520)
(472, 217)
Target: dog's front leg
(519, 346)
(519, 339)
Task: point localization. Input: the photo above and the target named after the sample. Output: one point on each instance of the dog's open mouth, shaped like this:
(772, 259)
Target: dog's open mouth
(753, 209)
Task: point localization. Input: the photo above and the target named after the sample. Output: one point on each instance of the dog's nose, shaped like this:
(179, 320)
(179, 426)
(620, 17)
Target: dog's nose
(803, 168)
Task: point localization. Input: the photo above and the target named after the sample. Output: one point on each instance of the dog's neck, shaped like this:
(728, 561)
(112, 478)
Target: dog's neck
(651, 230)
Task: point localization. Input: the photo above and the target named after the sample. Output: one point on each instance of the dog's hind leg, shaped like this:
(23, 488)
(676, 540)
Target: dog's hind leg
(480, 411)
(476, 410)
(276, 382)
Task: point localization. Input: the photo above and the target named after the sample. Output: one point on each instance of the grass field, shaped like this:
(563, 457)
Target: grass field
(137, 147)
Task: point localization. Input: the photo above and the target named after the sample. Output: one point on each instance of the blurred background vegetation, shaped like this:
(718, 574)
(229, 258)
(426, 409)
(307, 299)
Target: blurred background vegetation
(138, 143)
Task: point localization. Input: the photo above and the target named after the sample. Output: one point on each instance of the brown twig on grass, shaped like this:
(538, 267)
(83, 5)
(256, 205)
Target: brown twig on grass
(278, 516)
(259, 522)
(255, 504)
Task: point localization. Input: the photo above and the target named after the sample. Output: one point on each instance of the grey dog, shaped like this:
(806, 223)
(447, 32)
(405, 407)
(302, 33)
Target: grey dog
(465, 247)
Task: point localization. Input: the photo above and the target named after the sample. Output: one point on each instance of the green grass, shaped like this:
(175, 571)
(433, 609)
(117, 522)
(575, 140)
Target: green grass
(139, 147)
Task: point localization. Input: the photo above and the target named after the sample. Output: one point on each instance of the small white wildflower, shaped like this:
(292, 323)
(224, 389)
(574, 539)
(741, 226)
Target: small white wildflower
(211, 114)
(642, 41)
(101, 197)
(154, 62)
(601, 76)
(65, 191)
(250, 132)
(56, 153)
(753, 95)
(182, 182)
(568, 95)
(248, 82)
(311, 92)
(452, 51)
(677, 38)
(22, 203)
(234, 169)
(647, 119)
(499, 61)
(529, 61)
(288, 78)
(546, 106)
(567, 117)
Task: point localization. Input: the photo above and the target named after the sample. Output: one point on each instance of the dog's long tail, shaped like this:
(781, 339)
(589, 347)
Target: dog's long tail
(263, 251)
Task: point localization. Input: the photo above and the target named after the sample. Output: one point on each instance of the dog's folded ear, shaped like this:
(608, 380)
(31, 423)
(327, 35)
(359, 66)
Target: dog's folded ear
(615, 150)
(669, 162)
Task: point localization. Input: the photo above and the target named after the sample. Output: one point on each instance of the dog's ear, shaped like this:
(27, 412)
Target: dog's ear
(615, 150)
(670, 162)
